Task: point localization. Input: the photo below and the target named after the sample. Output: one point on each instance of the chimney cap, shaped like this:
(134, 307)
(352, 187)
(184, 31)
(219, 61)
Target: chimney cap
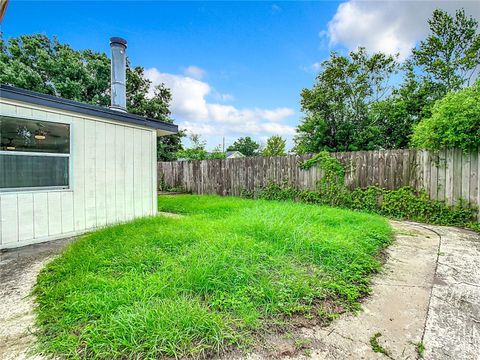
(118, 40)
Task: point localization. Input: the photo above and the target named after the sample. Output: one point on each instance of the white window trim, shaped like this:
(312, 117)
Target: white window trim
(33, 153)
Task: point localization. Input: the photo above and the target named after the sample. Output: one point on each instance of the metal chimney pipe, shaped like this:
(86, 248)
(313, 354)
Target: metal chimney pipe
(118, 74)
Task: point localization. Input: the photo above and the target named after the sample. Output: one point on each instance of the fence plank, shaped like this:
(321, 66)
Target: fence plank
(449, 176)
(474, 171)
(442, 175)
(427, 161)
(381, 168)
(465, 164)
(478, 183)
(433, 185)
(391, 164)
(457, 175)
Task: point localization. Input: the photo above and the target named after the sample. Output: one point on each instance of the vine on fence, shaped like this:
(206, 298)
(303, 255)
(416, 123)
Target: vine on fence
(404, 203)
(332, 182)
(163, 186)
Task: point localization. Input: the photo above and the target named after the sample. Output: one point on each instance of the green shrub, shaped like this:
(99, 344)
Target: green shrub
(274, 191)
(455, 122)
(365, 199)
(408, 203)
(332, 183)
(475, 227)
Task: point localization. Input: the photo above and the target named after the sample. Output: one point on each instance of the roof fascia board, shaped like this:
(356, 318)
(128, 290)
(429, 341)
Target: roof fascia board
(13, 93)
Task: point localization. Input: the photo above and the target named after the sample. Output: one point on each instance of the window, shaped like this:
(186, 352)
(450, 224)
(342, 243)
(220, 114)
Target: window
(33, 154)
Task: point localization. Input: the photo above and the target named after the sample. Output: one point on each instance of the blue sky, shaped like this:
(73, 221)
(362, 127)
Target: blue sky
(235, 68)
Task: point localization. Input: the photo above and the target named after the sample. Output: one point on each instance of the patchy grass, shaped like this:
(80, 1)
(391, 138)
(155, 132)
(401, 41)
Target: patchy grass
(198, 284)
(420, 347)
(376, 347)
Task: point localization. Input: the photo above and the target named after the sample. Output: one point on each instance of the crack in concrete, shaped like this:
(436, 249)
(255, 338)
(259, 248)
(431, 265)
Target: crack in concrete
(403, 285)
(444, 300)
(449, 266)
(465, 283)
(434, 275)
(347, 337)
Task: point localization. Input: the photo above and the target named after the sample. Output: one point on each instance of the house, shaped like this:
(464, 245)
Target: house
(234, 155)
(68, 167)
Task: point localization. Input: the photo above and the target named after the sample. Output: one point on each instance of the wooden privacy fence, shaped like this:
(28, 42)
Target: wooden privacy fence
(447, 175)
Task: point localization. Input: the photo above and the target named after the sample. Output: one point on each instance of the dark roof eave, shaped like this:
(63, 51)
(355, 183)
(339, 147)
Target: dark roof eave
(18, 94)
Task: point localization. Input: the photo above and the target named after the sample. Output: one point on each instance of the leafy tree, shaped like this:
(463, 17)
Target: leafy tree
(337, 107)
(217, 153)
(450, 55)
(394, 117)
(347, 109)
(275, 146)
(38, 63)
(197, 150)
(246, 146)
(446, 61)
(455, 122)
(168, 146)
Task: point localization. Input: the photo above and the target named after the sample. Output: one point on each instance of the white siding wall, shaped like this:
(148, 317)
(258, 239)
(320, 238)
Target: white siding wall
(113, 180)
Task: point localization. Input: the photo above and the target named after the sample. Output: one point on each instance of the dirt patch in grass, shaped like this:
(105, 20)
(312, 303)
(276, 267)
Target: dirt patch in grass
(170, 215)
(285, 337)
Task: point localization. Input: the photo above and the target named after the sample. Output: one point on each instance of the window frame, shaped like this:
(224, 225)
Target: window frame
(62, 119)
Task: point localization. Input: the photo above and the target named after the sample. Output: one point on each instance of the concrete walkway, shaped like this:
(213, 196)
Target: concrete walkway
(397, 308)
(428, 293)
(18, 273)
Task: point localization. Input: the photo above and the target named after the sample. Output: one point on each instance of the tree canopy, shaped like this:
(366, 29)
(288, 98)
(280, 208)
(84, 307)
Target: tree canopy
(450, 55)
(197, 150)
(246, 146)
(276, 146)
(38, 63)
(337, 107)
(455, 122)
(352, 106)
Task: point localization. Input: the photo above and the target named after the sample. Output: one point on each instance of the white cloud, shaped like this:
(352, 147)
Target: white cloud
(316, 66)
(275, 8)
(194, 113)
(313, 68)
(222, 97)
(387, 26)
(195, 72)
(188, 101)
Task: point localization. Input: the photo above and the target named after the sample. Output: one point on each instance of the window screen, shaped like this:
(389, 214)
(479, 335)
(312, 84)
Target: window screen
(33, 154)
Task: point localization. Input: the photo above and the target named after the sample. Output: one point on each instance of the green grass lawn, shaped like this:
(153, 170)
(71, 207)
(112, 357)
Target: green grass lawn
(209, 280)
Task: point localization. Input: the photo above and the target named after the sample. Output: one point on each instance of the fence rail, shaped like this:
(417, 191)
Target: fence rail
(448, 175)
